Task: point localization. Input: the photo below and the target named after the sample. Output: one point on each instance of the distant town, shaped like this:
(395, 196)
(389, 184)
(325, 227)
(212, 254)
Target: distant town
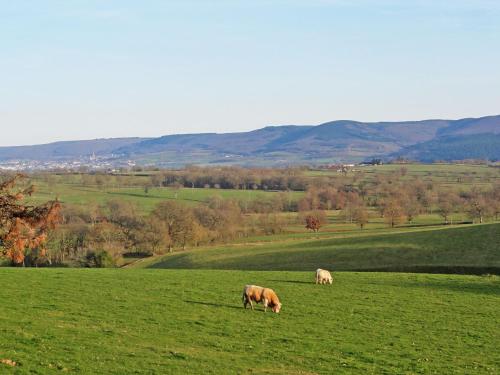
(92, 162)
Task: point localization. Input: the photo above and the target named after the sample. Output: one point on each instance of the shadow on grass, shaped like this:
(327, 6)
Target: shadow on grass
(139, 195)
(450, 270)
(211, 304)
(449, 285)
(434, 224)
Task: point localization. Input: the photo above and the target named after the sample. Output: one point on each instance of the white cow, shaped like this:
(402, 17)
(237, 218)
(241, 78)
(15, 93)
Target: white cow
(323, 276)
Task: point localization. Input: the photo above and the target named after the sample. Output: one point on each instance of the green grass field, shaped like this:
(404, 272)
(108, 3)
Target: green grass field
(93, 321)
(466, 248)
(83, 195)
(182, 312)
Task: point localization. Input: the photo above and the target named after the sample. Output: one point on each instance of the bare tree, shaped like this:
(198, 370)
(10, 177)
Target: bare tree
(179, 221)
(447, 203)
(393, 212)
(477, 205)
(360, 216)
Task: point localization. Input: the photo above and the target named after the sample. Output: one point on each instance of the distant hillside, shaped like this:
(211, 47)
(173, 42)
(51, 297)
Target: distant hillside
(341, 139)
(470, 126)
(336, 141)
(476, 146)
(329, 142)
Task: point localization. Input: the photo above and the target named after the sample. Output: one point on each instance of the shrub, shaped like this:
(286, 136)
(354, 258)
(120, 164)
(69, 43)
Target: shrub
(99, 259)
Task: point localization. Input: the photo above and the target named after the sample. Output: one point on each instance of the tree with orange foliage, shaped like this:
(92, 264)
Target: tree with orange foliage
(314, 220)
(23, 228)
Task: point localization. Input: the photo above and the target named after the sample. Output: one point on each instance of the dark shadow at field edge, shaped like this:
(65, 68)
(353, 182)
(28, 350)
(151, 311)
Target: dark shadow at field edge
(449, 285)
(139, 195)
(448, 270)
(214, 304)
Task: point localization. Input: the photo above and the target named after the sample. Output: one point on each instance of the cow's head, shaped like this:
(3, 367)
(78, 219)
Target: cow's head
(277, 308)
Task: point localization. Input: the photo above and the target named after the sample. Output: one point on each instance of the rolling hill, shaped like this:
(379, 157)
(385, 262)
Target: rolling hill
(336, 141)
(466, 249)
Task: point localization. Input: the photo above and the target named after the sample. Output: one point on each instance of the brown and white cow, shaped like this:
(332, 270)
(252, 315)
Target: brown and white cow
(259, 294)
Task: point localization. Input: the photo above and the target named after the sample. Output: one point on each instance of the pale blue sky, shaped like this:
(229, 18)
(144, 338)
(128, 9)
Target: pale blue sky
(92, 69)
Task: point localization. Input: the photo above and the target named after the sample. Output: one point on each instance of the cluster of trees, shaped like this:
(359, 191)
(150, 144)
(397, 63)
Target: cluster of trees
(397, 200)
(94, 235)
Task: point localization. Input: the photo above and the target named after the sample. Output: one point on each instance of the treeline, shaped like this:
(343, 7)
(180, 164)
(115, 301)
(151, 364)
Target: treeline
(191, 177)
(98, 236)
(235, 178)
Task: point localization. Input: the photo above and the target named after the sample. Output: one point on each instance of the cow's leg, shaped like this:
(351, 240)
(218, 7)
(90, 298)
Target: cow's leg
(265, 305)
(250, 302)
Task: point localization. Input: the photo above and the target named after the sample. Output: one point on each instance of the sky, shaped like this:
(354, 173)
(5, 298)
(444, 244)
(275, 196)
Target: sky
(97, 69)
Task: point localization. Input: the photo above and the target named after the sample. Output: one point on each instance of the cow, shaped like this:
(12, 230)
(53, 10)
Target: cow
(323, 276)
(259, 294)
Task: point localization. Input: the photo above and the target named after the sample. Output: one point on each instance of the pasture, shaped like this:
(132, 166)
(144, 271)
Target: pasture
(461, 176)
(83, 195)
(94, 321)
(467, 248)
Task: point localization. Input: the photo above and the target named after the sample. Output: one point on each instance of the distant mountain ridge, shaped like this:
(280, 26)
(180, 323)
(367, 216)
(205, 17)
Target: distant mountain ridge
(335, 141)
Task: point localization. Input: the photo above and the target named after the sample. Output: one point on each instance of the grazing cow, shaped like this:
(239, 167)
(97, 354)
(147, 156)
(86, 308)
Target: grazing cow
(259, 294)
(323, 276)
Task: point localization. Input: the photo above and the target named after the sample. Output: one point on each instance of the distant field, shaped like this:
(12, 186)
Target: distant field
(424, 169)
(458, 175)
(82, 195)
(471, 248)
(69, 190)
(93, 321)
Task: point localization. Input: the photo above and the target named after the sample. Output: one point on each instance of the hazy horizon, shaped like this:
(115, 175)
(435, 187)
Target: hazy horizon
(88, 70)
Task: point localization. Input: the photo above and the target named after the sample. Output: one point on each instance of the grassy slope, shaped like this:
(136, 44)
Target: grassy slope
(468, 247)
(187, 321)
